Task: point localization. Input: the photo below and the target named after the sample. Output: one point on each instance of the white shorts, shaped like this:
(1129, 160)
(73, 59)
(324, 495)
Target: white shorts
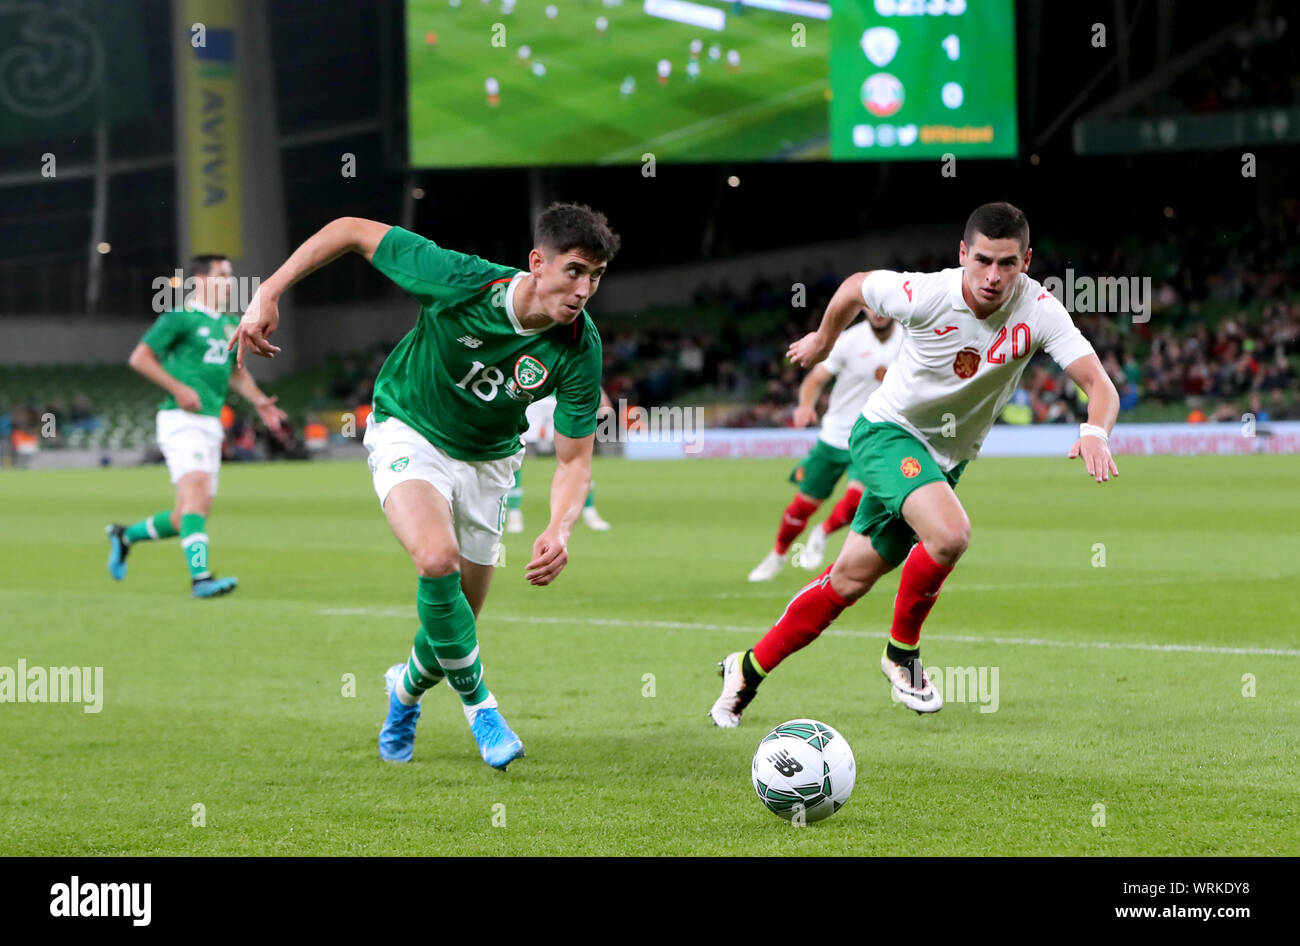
(190, 443)
(475, 491)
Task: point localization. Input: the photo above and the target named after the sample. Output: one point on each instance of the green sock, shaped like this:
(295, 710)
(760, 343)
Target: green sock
(515, 495)
(195, 543)
(422, 671)
(591, 496)
(157, 526)
(447, 626)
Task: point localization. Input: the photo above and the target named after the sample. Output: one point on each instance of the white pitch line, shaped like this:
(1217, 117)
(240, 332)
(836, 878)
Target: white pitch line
(786, 595)
(409, 615)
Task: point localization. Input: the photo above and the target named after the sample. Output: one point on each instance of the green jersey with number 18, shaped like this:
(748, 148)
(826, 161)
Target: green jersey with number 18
(467, 371)
(191, 345)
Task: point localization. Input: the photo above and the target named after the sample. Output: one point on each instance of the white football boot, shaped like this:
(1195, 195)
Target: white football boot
(735, 694)
(919, 695)
(768, 568)
(515, 520)
(593, 520)
(814, 550)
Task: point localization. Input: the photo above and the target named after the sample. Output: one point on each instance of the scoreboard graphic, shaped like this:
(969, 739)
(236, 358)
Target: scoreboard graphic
(923, 78)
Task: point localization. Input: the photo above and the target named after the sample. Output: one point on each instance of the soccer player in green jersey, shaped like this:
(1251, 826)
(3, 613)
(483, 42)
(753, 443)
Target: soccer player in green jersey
(443, 439)
(186, 354)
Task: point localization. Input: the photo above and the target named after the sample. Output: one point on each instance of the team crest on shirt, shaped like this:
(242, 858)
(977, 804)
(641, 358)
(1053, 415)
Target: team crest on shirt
(910, 467)
(530, 373)
(397, 466)
(966, 363)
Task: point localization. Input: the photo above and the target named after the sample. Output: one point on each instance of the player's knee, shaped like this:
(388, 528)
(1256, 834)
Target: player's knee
(949, 542)
(435, 562)
(850, 581)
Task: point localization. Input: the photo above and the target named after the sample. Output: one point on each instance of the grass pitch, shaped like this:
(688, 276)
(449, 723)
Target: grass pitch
(774, 106)
(1120, 686)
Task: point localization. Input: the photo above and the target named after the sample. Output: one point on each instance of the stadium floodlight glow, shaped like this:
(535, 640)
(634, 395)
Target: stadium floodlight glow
(681, 11)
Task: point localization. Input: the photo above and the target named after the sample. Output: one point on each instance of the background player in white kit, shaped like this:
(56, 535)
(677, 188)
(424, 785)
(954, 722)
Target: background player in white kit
(857, 363)
(969, 333)
(541, 430)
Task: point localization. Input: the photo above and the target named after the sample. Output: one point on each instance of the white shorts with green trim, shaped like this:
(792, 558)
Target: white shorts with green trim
(475, 491)
(190, 443)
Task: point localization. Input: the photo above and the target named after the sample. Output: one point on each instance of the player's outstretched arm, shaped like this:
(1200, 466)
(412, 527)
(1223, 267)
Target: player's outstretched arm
(145, 362)
(840, 311)
(344, 235)
(568, 493)
(1103, 407)
(247, 388)
(809, 390)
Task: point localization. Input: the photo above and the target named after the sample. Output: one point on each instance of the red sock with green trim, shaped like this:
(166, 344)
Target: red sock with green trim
(917, 590)
(809, 613)
(844, 511)
(793, 521)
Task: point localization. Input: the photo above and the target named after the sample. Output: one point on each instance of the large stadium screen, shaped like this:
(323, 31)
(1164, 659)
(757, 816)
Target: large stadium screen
(536, 82)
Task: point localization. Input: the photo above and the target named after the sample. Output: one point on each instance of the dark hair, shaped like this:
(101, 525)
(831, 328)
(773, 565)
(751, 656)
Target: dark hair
(564, 227)
(201, 264)
(998, 221)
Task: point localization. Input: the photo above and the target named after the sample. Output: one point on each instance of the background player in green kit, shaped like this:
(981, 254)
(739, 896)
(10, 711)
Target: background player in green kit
(186, 354)
(443, 439)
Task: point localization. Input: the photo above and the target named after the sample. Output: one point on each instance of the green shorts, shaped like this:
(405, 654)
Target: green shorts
(818, 472)
(892, 464)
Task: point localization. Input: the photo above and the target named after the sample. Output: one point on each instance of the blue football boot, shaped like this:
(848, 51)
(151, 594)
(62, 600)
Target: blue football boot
(118, 548)
(397, 736)
(213, 587)
(498, 745)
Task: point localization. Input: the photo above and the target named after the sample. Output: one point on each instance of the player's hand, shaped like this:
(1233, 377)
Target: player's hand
(804, 416)
(260, 320)
(187, 399)
(271, 415)
(550, 555)
(808, 350)
(1097, 460)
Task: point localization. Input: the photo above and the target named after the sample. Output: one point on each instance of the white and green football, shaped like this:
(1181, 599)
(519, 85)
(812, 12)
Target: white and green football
(803, 770)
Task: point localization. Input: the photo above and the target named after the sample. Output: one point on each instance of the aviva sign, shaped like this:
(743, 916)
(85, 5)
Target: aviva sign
(210, 84)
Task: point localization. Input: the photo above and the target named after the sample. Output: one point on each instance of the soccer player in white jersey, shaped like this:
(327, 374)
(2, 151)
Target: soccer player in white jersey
(857, 363)
(541, 430)
(969, 333)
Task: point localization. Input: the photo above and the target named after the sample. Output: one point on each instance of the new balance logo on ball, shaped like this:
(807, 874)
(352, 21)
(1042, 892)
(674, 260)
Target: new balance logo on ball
(785, 763)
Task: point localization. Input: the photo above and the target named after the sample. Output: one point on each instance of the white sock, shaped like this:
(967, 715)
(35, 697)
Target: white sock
(470, 711)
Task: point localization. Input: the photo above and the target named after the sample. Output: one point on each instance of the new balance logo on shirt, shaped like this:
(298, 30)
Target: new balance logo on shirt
(469, 341)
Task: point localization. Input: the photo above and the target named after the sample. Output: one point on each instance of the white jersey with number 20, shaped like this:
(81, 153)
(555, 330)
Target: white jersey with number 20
(956, 372)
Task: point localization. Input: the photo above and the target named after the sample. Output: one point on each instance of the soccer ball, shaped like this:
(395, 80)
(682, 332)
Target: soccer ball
(803, 768)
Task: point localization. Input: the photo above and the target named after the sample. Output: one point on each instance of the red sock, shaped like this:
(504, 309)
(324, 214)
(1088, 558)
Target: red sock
(808, 614)
(844, 511)
(793, 522)
(917, 590)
